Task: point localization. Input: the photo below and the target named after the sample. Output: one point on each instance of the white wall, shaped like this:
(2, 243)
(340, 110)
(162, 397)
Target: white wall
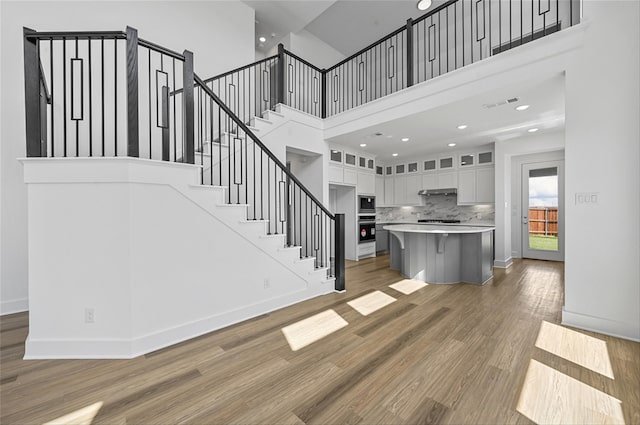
(157, 265)
(602, 269)
(314, 50)
(202, 27)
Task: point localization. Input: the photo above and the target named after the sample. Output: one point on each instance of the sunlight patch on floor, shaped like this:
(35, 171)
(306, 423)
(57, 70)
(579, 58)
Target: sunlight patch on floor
(82, 416)
(576, 347)
(312, 329)
(369, 303)
(551, 397)
(408, 286)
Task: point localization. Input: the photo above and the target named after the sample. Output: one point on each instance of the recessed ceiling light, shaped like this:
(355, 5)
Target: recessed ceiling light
(532, 130)
(262, 39)
(363, 145)
(462, 126)
(405, 139)
(394, 154)
(451, 145)
(522, 107)
(424, 4)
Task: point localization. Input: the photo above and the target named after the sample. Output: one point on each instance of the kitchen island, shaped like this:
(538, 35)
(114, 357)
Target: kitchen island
(443, 253)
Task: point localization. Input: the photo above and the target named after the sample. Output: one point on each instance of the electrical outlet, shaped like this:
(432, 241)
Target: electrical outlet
(89, 315)
(267, 283)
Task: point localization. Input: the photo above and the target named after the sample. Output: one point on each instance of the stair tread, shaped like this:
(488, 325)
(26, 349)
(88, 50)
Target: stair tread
(264, 120)
(277, 114)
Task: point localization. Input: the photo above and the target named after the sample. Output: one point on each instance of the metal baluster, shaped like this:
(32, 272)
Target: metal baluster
(115, 95)
(64, 93)
(90, 102)
(102, 82)
(53, 153)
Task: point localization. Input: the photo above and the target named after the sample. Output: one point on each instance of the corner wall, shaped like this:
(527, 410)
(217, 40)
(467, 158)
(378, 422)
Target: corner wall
(202, 27)
(602, 269)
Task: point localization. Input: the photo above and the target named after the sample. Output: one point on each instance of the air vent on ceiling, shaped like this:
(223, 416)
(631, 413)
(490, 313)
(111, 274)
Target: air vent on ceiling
(502, 102)
(375, 135)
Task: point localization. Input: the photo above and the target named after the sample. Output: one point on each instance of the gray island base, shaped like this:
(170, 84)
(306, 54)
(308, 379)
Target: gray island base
(442, 254)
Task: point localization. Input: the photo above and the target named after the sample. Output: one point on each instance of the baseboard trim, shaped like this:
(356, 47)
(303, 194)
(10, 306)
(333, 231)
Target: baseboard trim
(598, 324)
(127, 349)
(503, 264)
(14, 306)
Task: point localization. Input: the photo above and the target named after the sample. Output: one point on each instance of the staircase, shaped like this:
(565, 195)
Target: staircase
(208, 166)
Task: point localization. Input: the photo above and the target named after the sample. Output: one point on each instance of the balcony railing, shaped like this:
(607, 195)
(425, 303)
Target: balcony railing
(451, 36)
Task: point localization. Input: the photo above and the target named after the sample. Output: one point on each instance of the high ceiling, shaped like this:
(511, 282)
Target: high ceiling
(346, 25)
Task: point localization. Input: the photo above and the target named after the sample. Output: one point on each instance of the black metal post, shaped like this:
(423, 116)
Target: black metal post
(324, 93)
(32, 94)
(339, 253)
(409, 52)
(133, 146)
(280, 75)
(188, 151)
(288, 207)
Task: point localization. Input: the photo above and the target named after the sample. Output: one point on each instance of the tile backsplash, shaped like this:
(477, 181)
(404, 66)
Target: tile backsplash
(445, 207)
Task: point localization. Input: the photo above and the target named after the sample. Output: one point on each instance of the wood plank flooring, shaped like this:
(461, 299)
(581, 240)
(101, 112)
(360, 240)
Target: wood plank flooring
(447, 354)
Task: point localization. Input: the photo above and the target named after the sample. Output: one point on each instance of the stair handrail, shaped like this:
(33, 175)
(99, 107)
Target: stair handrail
(257, 141)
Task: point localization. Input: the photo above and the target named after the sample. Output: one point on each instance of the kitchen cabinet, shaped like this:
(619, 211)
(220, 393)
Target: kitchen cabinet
(366, 183)
(485, 185)
(429, 181)
(405, 189)
(399, 190)
(382, 239)
(388, 191)
(447, 179)
(476, 186)
(466, 186)
(380, 190)
(412, 187)
(335, 175)
(350, 176)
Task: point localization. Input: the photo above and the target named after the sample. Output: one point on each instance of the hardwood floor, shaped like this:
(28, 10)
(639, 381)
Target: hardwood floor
(449, 354)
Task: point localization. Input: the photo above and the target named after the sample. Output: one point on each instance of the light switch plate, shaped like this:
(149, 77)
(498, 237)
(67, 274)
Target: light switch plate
(583, 198)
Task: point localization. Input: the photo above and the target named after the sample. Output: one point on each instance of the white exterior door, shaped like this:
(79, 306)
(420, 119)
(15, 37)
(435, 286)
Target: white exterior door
(543, 210)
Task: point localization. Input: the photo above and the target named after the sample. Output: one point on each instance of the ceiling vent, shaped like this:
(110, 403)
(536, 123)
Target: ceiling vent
(376, 135)
(502, 102)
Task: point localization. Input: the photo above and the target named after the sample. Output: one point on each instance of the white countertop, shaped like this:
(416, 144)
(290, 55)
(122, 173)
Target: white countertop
(436, 228)
(466, 224)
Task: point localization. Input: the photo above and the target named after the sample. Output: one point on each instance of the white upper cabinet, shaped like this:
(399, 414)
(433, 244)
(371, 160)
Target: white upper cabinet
(447, 179)
(366, 183)
(485, 185)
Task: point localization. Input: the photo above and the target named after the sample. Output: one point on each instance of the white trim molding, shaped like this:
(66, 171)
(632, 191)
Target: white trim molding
(14, 306)
(503, 264)
(601, 325)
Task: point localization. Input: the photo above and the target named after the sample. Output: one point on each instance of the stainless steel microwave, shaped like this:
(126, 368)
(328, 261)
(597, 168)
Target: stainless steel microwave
(366, 204)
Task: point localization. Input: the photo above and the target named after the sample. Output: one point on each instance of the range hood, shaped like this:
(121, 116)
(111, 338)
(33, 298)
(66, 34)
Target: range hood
(433, 192)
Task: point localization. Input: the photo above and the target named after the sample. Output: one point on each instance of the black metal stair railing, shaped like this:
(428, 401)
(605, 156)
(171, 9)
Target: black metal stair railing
(109, 94)
(231, 155)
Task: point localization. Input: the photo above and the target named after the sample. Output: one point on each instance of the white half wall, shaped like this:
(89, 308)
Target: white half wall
(202, 27)
(602, 262)
(124, 238)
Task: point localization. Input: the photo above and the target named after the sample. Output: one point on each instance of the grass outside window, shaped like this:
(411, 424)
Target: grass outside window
(547, 243)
